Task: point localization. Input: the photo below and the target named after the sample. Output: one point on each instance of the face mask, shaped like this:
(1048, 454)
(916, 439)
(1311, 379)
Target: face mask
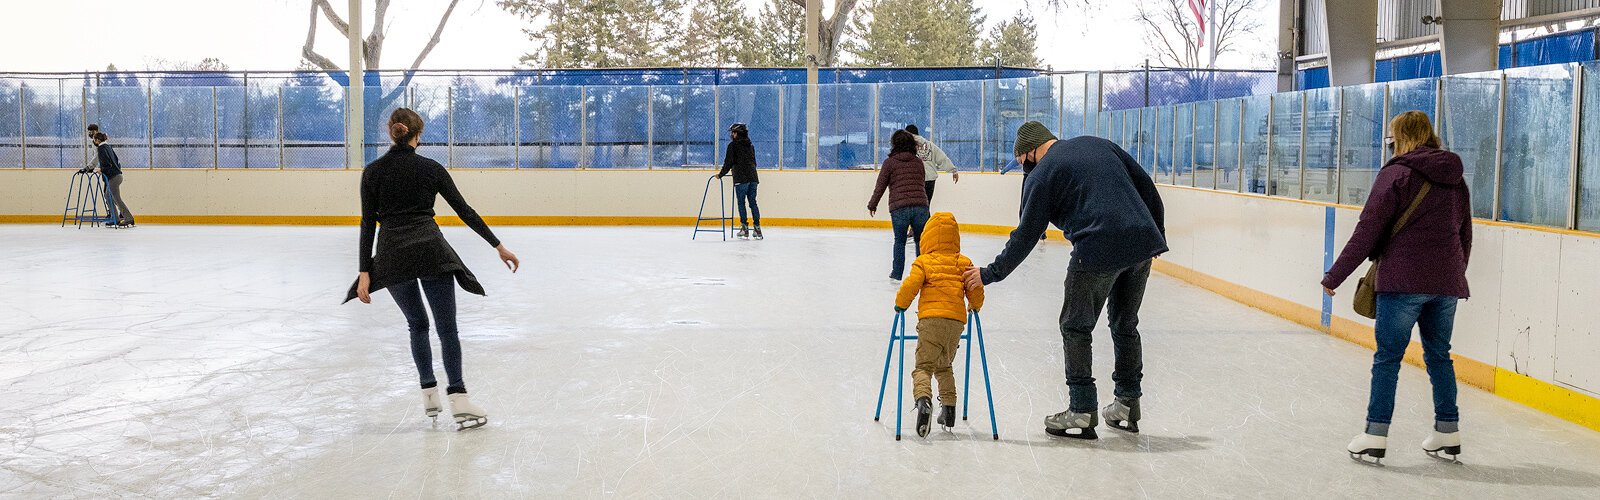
(1028, 164)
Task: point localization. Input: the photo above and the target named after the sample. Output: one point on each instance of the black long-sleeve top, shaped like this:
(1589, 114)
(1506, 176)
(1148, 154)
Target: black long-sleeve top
(400, 188)
(1100, 197)
(741, 159)
(107, 158)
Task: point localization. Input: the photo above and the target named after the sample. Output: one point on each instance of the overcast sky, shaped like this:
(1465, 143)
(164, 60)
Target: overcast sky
(49, 35)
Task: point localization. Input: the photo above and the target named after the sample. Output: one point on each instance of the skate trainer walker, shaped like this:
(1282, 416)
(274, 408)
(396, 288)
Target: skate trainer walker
(85, 192)
(897, 336)
(725, 222)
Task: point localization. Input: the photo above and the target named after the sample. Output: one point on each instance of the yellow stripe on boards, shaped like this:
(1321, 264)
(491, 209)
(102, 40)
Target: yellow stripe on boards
(1549, 398)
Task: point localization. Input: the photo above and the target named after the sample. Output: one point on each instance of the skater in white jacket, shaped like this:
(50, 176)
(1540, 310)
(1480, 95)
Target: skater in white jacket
(933, 161)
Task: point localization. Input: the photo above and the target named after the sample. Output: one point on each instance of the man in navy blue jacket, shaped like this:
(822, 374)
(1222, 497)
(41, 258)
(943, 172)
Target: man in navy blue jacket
(1110, 211)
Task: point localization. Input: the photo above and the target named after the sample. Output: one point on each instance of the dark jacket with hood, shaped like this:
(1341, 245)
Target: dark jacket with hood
(902, 174)
(1429, 255)
(397, 193)
(741, 159)
(107, 158)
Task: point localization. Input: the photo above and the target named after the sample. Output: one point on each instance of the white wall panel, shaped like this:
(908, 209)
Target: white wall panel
(1577, 355)
(1529, 277)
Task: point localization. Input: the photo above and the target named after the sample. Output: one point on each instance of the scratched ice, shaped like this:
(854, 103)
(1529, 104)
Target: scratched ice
(216, 361)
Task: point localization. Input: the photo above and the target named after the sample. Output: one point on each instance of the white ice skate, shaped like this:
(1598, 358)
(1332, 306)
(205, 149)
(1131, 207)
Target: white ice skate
(1440, 444)
(1367, 446)
(468, 415)
(431, 404)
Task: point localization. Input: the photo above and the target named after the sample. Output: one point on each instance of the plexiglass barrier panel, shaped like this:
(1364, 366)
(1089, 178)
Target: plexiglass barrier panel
(379, 102)
(1043, 105)
(123, 113)
(433, 104)
(1254, 140)
(1414, 95)
(793, 115)
(183, 127)
(901, 104)
(1205, 144)
(1361, 141)
(548, 122)
(682, 134)
(313, 127)
(1229, 123)
(233, 111)
(1165, 164)
(1321, 145)
(615, 126)
(957, 106)
(1145, 139)
(1284, 178)
(1468, 127)
(1537, 154)
(846, 126)
(756, 106)
(1589, 168)
(1183, 130)
(1007, 100)
(484, 121)
(1074, 120)
(54, 126)
(10, 126)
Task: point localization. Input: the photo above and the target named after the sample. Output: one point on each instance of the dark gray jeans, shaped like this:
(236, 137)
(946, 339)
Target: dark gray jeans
(1120, 293)
(114, 199)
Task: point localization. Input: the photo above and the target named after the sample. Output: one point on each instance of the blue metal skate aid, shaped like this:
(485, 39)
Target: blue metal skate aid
(897, 336)
(85, 192)
(725, 222)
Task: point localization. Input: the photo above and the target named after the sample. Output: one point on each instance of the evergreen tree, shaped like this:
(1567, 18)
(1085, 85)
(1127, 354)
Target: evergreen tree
(718, 33)
(1013, 42)
(599, 33)
(916, 33)
(780, 35)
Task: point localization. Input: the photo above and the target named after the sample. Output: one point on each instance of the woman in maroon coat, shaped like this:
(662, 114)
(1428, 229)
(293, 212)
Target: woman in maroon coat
(1422, 277)
(902, 174)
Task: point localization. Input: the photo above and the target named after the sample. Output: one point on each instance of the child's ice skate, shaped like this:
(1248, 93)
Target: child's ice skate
(947, 417)
(468, 415)
(1123, 414)
(1440, 444)
(431, 403)
(1367, 446)
(1072, 425)
(924, 407)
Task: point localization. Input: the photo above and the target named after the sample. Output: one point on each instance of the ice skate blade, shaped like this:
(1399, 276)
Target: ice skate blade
(465, 422)
(1130, 425)
(1376, 456)
(1450, 454)
(1086, 434)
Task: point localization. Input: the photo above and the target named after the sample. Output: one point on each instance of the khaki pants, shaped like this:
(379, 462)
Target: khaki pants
(937, 341)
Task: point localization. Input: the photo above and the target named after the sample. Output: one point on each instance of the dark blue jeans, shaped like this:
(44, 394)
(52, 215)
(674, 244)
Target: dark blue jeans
(1120, 293)
(914, 218)
(441, 292)
(746, 193)
(1435, 316)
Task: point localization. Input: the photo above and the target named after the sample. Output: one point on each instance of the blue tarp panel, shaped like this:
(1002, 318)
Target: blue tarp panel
(1313, 78)
(1576, 46)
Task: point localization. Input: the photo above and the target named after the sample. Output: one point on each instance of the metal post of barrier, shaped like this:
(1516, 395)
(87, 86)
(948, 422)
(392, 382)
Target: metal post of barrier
(584, 155)
(1194, 139)
(1572, 172)
(1272, 109)
(1303, 96)
(150, 124)
(1338, 149)
(516, 127)
(983, 121)
(877, 126)
(780, 126)
(22, 121)
(280, 126)
(649, 126)
(1238, 143)
(450, 126)
(716, 122)
(216, 141)
(83, 140)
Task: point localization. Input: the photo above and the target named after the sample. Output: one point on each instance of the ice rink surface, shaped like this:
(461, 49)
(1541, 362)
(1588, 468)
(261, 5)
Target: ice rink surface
(181, 361)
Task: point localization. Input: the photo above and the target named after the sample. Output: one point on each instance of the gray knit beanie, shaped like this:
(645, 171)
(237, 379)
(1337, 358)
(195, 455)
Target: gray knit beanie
(1031, 135)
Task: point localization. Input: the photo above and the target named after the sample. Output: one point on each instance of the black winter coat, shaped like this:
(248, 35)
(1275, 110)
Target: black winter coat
(741, 159)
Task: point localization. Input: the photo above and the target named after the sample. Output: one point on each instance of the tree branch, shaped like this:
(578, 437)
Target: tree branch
(372, 48)
(327, 11)
(405, 81)
(308, 52)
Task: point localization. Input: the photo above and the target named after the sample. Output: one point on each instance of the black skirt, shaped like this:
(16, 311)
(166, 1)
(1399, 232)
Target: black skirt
(407, 251)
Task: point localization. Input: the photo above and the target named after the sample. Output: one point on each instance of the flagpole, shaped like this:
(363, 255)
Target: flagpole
(1212, 32)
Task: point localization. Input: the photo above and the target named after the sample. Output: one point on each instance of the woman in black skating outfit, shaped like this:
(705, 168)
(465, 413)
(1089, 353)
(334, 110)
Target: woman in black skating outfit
(413, 259)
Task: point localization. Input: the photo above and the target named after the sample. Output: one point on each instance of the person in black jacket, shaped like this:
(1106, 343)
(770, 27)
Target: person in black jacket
(398, 192)
(741, 160)
(1111, 212)
(111, 167)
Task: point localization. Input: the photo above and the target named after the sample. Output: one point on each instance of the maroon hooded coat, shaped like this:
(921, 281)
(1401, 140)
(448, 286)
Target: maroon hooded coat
(1429, 255)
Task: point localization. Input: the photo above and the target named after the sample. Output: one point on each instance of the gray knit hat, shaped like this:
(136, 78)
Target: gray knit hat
(1031, 135)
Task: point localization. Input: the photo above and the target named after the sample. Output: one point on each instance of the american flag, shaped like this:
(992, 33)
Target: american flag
(1199, 8)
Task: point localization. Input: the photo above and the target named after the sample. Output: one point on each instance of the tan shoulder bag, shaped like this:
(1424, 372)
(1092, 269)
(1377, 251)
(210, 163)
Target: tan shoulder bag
(1366, 299)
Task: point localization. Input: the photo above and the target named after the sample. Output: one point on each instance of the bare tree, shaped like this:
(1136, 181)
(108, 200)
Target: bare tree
(1173, 35)
(830, 30)
(372, 46)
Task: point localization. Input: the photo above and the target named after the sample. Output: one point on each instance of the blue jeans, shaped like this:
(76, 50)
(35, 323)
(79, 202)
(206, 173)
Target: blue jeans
(441, 292)
(914, 218)
(1435, 316)
(746, 193)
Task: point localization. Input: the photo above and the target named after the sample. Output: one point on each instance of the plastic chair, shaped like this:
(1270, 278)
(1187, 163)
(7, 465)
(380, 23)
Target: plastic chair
(897, 336)
(725, 222)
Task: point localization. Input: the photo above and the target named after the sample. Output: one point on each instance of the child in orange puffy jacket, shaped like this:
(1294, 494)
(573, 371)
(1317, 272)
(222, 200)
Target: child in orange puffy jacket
(942, 314)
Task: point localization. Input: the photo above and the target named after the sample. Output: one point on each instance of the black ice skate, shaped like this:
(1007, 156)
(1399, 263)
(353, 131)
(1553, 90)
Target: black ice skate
(924, 407)
(1072, 425)
(1122, 414)
(758, 233)
(744, 233)
(947, 417)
